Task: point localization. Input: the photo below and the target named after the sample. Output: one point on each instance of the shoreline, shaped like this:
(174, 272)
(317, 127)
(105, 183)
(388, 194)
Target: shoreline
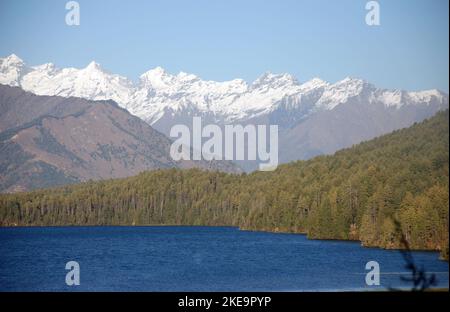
(236, 227)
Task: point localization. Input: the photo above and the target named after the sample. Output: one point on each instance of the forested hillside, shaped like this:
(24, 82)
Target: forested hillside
(358, 193)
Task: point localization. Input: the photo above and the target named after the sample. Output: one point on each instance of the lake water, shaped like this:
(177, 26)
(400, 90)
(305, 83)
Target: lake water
(193, 259)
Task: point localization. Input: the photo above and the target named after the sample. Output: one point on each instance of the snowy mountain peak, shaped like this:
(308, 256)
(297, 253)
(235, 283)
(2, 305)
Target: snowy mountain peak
(12, 68)
(269, 79)
(182, 76)
(342, 91)
(47, 68)
(93, 66)
(315, 83)
(426, 95)
(12, 60)
(351, 82)
(159, 92)
(157, 71)
(156, 78)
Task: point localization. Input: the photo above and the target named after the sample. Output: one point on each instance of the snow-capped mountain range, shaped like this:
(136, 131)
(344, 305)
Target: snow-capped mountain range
(158, 91)
(314, 117)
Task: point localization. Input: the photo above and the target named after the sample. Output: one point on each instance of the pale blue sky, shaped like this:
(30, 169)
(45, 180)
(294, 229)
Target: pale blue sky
(226, 39)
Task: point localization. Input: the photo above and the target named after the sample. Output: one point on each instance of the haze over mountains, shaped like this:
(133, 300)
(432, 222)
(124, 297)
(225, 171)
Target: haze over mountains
(314, 117)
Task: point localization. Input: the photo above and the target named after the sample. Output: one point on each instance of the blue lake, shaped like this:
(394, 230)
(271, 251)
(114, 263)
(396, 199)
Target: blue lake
(194, 259)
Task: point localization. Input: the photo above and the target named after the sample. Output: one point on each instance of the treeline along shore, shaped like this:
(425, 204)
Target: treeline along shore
(356, 194)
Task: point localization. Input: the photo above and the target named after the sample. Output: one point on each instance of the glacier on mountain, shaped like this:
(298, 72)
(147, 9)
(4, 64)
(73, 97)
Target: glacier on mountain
(158, 92)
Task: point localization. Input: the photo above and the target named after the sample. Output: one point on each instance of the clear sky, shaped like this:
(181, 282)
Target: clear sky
(226, 39)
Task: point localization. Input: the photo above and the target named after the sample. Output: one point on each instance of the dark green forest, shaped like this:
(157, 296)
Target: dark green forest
(356, 194)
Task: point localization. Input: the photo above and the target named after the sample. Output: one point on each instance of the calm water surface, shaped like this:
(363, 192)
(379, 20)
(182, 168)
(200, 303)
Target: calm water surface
(193, 259)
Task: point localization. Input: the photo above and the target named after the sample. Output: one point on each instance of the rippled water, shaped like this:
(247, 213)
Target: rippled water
(193, 259)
